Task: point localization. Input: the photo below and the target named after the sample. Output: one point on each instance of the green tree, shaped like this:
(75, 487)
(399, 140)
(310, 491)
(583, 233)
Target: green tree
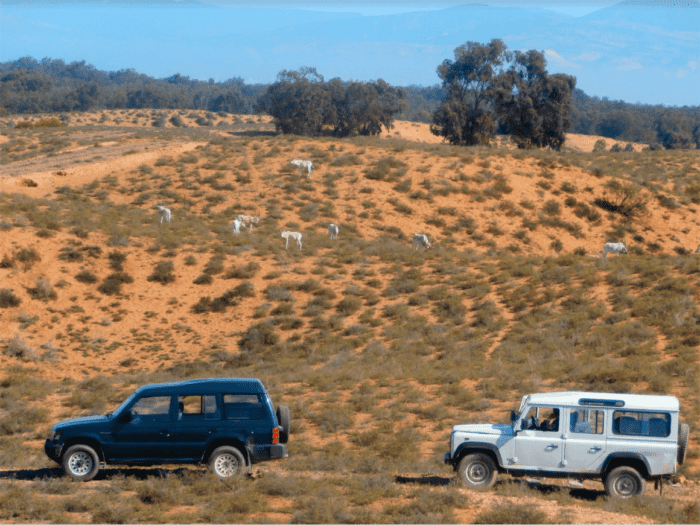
(363, 108)
(534, 108)
(299, 102)
(465, 117)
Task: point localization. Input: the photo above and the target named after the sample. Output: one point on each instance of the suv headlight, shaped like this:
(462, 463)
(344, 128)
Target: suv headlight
(54, 435)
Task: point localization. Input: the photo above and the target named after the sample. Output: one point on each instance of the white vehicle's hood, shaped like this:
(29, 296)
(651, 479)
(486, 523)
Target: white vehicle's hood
(498, 430)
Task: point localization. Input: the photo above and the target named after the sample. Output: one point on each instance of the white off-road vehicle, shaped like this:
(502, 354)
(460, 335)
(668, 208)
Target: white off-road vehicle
(622, 439)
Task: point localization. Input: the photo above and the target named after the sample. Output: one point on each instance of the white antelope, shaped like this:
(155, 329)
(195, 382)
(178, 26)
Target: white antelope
(236, 224)
(614, 247)
(420, 239)
(165, 214)
(333, 230)
(248, 220)
(294, 235)
(307, 164)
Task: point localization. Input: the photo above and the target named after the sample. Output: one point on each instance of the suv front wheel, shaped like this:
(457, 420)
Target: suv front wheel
(81, 462)
(624, 482)
(227, 462)
(478, 471)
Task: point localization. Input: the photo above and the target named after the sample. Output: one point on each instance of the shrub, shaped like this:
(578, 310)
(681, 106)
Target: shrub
(551, 207)
(116, 260)
(7, 262)
(19, 348)
(203, 278)
(348, 305)
(162, 273)
(42, 289)
(8, 299)
(86, 276)
(112, 283)
(625, 199)
(258, 337)
(512, 513)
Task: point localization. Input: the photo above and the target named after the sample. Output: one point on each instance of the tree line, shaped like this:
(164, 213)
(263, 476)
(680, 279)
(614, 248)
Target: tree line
(485, 90)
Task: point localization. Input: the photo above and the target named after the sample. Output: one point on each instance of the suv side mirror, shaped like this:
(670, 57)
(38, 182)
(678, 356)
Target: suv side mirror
(513, 416)
(125, 417)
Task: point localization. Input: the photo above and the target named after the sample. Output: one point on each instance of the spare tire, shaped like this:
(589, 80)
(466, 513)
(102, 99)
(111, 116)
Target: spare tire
(283, 420)
(683, 432)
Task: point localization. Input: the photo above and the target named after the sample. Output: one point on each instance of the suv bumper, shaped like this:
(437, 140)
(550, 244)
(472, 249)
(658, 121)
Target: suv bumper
(53, 450)
(448, 458)
(267, 452)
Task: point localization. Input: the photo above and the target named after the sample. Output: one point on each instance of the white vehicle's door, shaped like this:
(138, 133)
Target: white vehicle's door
(585, 442)
(539, 446)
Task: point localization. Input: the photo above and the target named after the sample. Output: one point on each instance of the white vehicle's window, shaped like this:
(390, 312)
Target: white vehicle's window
(156, 406)
(652, 424)
(545, 419)
(582, 421)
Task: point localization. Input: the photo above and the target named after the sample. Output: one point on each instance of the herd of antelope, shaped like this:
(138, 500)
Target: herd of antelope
(419, 239)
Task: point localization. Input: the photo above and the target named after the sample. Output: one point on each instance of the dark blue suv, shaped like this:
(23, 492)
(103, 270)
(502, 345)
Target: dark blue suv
(229, 423)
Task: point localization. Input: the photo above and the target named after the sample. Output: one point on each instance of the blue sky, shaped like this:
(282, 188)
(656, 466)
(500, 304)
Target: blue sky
(649, 59)
(378, 8)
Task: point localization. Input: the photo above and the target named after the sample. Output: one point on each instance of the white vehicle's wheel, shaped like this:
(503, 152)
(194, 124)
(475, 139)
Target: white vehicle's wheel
(478, 471)
(227, 462)
(81, 462)
(683, 433)
(624, 482)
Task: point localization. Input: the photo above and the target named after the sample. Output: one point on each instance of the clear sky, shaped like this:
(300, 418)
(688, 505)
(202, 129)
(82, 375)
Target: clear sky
(381, 7)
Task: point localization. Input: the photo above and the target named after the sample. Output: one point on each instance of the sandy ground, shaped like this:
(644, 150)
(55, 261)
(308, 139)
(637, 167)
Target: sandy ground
(162, 315)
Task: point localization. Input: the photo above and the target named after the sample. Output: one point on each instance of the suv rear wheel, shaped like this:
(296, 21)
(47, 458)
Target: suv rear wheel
(227, 462)
(284, 420)
(478, 471)
(81, 462)
(624, 482)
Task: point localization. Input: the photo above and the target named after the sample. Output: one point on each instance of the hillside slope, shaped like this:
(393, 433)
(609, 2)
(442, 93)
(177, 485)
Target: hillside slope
(377, 347)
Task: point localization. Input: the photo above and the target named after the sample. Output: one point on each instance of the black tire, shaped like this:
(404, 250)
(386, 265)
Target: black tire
(624, 482)
(284, 420)
(81, 462)
(227, 463)
(478, 471)
(683, 433)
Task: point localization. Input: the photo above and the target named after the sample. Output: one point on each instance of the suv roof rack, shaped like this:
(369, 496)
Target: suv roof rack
(601, 402)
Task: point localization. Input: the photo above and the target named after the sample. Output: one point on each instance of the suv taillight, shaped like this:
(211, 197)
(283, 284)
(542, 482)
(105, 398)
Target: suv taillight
(275, 435)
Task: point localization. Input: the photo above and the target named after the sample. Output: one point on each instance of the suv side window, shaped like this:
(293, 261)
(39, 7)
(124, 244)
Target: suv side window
(242, 406)
(651, 424)
(197, 407)
(583, 421)
(154, 408)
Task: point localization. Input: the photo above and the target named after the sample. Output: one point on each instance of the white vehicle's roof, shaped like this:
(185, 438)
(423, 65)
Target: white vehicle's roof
(635, 401)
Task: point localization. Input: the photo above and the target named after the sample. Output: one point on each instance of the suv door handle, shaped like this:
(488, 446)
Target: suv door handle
(164, 433)
(212, 431)
(551, 447)
(596, 449)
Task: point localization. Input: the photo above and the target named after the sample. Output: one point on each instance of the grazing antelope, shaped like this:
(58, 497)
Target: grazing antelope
(294, 235)
(614, 247)
(307, 164)
(420, 239)
(248, 220)
(237, 226)
(165, 214)
(333, 231)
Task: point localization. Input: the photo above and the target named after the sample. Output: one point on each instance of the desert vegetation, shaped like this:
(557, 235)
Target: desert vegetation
(377, 348)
